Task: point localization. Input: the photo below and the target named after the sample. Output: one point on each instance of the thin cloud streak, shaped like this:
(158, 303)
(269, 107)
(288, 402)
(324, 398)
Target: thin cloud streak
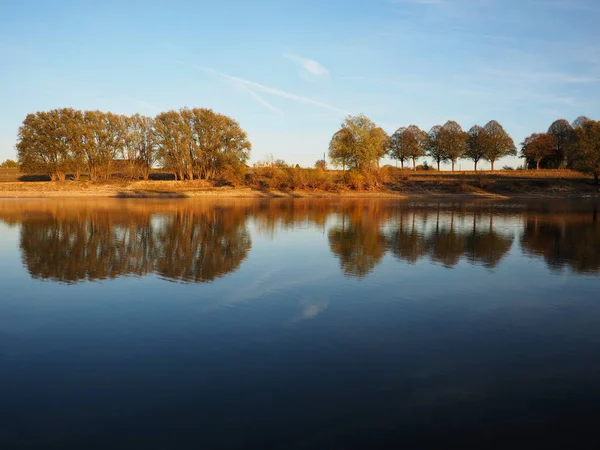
(257, 97)
(309, 65)
(273, 91)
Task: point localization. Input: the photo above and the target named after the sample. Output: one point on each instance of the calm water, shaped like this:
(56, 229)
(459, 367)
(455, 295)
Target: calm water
(298, 324)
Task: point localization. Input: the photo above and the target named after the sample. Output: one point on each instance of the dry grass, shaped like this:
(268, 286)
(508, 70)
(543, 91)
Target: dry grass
(311, 183)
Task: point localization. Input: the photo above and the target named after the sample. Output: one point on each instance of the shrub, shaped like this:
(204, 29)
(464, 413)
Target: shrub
(354, 180)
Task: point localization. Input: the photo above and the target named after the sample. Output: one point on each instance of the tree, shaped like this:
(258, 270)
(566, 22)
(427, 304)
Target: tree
(47, 143)
(173, 143)
(564, 136)
(577, 123)
(358, 144)
(453, 142)
(104, 137)
(537, 147)
(321, 164)
(435, 148)
(586, 154)
(407, 143)
(9, 164)
(140, 150)
(396, 149)
(497, 142)
(475, 149)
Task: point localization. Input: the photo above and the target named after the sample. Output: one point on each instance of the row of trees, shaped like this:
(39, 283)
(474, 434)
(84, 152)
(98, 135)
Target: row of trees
(191, 143)
(360, 143)
(565, 145)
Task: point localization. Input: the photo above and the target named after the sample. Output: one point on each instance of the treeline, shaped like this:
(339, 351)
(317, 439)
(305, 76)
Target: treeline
(190, 143)
(565, 145)
(9, 164)
(201, 144)
(359, 144)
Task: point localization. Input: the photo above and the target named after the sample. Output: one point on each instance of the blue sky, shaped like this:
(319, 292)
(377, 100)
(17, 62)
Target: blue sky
(289, 71)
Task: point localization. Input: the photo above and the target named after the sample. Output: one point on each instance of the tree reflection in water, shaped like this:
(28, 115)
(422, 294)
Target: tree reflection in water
(202, 241)
(181, 244)
(571, 241)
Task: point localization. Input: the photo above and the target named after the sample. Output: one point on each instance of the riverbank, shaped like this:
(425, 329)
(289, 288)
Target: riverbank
(440, 185)
(394, 184)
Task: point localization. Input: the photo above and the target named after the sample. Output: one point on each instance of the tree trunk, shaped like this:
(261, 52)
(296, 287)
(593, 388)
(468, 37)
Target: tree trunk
(438, 165)
(414, 163)
(475, 166)
(453, 165)
(537, 164)
(402, 164)
(492, 165)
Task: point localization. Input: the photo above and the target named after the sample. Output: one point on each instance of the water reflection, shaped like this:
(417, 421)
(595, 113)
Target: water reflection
(564, 241)
(357, 239)
(199, 241)
(181, 244)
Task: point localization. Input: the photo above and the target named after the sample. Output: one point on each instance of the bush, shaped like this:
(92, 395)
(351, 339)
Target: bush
(354, 180)
(232, 176)
(507, 168)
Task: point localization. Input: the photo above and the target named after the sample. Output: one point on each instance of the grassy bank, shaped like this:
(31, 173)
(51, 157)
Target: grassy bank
(295, 182)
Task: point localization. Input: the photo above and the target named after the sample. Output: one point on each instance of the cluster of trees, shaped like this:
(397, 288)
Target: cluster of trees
(9, 164)
(359, 144)
(191, 143)
(565, 145)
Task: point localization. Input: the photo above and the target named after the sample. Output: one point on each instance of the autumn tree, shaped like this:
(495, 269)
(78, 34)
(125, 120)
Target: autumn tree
(537, 147)
(435, 148)
(321, 164)
(497, 142)
(139, 149)
(586, 153)
(359, 144)
(104, 138)
(407, 143)
(173, 143)
(9, 164)
(564, 136)
(452, 141)
(577, 123)
(475, 149)
(48, 143)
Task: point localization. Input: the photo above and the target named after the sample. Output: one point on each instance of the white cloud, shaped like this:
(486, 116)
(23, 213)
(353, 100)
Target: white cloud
(273, 91)
(309, 66)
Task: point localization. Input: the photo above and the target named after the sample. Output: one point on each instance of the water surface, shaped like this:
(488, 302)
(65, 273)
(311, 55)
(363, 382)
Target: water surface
(292, 324)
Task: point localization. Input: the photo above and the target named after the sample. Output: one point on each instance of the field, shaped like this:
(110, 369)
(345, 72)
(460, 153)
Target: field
(389, 182)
